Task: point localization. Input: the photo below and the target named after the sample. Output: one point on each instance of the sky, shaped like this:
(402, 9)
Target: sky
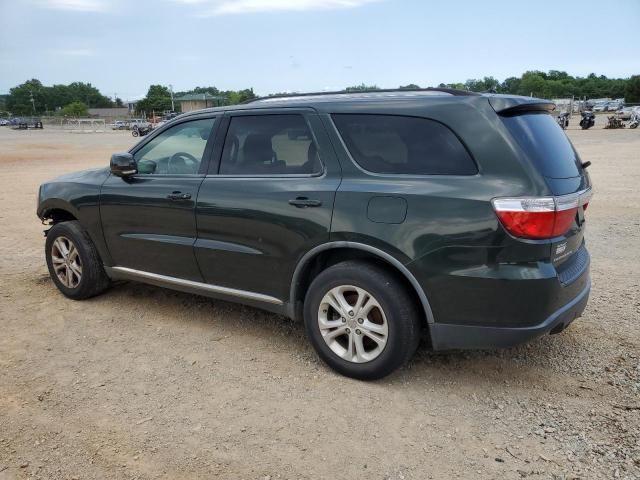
(123, 46)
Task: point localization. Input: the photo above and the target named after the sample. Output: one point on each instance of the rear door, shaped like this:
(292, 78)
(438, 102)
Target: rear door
(148, 219)
(267, 201)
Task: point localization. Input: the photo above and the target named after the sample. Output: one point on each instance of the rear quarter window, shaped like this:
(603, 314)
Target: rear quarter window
(545, 143)
(394, 144)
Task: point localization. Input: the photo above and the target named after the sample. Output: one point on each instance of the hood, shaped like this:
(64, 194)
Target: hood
(84, 175)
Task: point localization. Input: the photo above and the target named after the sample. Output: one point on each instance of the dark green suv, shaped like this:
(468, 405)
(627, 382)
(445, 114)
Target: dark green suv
(374, 218)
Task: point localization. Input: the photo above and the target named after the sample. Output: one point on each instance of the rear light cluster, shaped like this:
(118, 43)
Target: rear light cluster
(540, 217)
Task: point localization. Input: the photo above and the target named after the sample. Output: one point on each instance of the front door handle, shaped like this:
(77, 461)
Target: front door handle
(304, 202)
(179, 196)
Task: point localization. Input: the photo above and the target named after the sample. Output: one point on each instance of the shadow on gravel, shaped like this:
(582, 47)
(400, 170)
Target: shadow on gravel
(517, 364)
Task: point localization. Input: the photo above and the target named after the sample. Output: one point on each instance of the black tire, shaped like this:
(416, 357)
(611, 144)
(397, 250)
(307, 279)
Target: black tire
(93, 280)
(396, 302)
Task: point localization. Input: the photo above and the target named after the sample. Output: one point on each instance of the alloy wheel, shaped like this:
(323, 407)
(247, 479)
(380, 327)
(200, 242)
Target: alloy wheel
(353, 324)
(66, 262)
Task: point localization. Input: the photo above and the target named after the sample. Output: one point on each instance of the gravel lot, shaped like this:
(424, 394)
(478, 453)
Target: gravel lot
(143, 382)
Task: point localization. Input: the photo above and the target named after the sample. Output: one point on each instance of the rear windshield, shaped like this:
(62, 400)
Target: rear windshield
(545, 143)
(403, 145)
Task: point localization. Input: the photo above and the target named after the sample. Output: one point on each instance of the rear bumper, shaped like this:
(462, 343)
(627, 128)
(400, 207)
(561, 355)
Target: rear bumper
(451, 336)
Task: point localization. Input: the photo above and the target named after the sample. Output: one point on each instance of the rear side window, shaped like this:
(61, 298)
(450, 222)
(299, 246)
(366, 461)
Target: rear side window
(269, 145)
(544, 142)
(403, 145)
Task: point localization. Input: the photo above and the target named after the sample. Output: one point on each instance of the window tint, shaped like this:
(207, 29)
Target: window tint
(176, 151)
(403, 145)
(545, 143)
(269, 145)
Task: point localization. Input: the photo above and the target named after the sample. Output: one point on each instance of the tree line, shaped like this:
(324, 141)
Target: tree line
(32, 97)
(557, 84)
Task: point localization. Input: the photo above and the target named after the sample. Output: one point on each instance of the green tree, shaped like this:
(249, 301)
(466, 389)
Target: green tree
(510, 85)
(240, 96)
(361, 88)
(75, 109)
(533, 84)
(455, 86)
(411, 86)
(158, 99)
(51, 98)
(487, 84)
(632, 90)
(19, 101)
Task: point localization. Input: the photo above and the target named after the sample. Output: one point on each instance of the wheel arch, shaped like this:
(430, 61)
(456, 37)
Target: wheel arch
(312, 262)
(57, 210)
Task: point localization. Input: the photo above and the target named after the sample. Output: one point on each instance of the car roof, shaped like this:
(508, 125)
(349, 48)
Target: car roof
(326, 102)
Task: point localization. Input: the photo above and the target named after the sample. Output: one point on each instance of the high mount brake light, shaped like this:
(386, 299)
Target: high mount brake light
(540, 217)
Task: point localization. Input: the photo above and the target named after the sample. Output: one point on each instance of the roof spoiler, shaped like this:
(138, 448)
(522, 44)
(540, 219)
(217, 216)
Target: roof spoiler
(513, 104)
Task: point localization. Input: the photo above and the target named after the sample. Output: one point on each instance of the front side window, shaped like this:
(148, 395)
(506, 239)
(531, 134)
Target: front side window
(394, 144)
(176, 151)
(269, 145)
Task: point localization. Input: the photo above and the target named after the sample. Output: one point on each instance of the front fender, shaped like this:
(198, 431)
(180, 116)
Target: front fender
(82, 201)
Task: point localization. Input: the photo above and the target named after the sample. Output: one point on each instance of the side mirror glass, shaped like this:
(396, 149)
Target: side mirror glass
(123, 164)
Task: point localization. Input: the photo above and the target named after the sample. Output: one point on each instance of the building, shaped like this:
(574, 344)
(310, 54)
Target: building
(197, 101)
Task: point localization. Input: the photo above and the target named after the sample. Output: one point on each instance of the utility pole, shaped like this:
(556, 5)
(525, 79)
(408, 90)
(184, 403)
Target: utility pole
(173, 108)
(33, 102)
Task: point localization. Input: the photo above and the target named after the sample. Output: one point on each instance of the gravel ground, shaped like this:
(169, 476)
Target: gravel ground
(143, 382)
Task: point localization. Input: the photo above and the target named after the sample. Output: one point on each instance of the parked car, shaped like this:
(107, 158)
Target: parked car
(385, 217)
(600, 107)
(624, 113)
(3, 122)
(119, 125)
(23, 123)
(138, 123)
(613, 106)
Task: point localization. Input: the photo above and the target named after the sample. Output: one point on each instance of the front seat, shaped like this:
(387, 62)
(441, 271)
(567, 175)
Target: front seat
(258, 154)
(312, 165)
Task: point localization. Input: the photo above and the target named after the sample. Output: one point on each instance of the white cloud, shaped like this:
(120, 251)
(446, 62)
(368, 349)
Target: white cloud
(226, 7)
(76, 5)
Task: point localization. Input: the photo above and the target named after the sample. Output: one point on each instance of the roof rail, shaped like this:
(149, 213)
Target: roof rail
(451, 91)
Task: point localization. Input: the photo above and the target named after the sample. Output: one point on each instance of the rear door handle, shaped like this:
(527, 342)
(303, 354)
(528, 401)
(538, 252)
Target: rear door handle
(304, 202)
(179, 196)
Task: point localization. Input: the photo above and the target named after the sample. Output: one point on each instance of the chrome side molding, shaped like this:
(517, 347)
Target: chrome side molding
(130, 273)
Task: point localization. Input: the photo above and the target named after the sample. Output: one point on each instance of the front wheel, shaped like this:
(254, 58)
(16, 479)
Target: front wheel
(73, 261)
(361, 320)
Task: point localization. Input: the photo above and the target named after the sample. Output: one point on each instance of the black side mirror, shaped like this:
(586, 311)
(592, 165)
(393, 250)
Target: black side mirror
(123, 164)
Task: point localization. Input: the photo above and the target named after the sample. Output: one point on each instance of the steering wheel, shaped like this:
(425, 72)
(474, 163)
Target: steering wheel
(181, 155)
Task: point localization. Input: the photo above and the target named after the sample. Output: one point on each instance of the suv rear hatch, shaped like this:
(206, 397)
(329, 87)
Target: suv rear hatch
(560, 216)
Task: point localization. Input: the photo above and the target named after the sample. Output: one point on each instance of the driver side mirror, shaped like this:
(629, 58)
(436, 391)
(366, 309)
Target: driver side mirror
(123, 165)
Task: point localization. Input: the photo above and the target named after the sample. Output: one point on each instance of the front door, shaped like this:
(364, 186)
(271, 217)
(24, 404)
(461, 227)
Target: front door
(266, 202)
(148, 218)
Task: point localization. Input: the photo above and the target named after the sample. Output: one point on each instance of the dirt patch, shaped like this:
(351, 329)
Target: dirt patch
(144, 382)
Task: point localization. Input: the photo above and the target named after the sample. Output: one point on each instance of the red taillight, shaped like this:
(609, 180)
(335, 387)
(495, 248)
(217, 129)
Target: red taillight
(539, 218)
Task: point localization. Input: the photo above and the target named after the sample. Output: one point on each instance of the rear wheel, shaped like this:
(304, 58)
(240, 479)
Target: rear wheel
(73, 261)
(361, 320)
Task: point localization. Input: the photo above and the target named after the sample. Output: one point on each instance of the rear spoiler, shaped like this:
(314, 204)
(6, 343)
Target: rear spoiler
(514, 104)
